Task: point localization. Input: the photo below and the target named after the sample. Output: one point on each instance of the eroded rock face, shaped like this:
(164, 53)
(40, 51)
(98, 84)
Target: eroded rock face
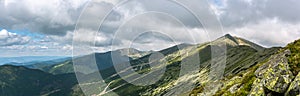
(275, 74)
(294, 88)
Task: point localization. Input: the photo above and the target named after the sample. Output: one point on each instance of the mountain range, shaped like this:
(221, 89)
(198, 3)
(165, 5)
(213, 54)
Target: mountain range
(250, 70)
(29, 60)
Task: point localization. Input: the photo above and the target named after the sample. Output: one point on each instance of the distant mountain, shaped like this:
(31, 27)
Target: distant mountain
(132, 53)
(232, 41)
(41, 64)
(29, 60)
(104, 61)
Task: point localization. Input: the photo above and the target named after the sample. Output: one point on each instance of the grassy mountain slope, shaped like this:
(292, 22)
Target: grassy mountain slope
(21, 81)
(247, 57)
(277, 75)
(250, 69)
(103, 60)
(241, 55)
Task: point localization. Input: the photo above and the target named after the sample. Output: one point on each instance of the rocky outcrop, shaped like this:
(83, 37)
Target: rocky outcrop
(257, 88)
(274, 75)
(294, 88)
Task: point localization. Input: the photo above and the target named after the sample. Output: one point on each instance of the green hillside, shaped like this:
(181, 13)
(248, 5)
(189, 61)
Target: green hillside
(250, 70)
(277, 75)
(241, 55)
(241, 58)
(21, 81)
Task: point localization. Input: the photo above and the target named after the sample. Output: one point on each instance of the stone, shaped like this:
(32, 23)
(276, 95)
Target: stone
(294, 88)
(275, 74)
(257, 88)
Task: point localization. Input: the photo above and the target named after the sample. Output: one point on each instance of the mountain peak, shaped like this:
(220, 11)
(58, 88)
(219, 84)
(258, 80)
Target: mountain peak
(235, 41)
(228, 35)
(228, 39)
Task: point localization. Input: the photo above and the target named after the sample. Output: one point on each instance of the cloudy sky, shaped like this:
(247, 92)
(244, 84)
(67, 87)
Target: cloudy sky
(46, 27)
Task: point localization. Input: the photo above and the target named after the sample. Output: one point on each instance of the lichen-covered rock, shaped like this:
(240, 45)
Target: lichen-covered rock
(234, 88)
(211, 88)
(294, 88)
(275, 74)
(257, 88)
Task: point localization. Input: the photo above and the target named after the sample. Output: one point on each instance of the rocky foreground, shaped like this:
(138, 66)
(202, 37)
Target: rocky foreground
(276, 76)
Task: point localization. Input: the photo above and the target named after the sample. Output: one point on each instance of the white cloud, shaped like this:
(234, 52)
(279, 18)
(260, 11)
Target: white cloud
(14, 47)
(67, 47)
(237, 13)
(267, 22)
(169, 21)
(86, 37)
(44, 47)
(53, 17)
(269, 32)
(9, 39)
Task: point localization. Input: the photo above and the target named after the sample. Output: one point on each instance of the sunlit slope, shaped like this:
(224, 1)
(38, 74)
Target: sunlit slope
(241, 55)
